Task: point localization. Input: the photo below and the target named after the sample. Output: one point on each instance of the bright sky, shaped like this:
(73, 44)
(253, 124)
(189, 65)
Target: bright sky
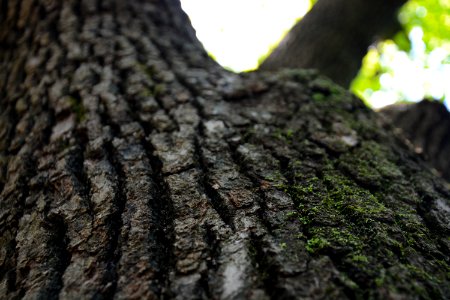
(238, 32)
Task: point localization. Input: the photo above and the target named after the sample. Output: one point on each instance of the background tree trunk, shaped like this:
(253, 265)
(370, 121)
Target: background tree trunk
(334, 37)
(427, 125)
(133, 166)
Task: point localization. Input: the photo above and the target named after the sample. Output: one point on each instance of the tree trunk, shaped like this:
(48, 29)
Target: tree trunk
(334, 37)
(134, 167)
(427, 125)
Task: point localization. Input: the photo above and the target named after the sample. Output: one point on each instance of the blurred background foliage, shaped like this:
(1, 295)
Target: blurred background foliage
(415, 64)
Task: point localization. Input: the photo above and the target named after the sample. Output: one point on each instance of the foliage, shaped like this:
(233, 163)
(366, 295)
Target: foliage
(433, 16)
(423, 43)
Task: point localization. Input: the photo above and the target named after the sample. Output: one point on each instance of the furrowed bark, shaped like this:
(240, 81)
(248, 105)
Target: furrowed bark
(133, 166)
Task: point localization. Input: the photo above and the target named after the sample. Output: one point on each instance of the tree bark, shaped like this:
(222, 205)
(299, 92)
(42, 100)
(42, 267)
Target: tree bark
(334, 37)
(427, 125)
(134, 167)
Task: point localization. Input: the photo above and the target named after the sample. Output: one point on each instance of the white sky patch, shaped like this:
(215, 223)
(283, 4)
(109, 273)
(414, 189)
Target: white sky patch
(238, 32)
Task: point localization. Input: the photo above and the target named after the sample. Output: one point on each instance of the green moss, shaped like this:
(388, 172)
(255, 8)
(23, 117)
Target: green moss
(298, 191)
(300, 236)
(349, 198)
(421, 273)
(299, 75)
(379, 281)
(146, 92)
(291, 215)
(303, 190)
(350, 284)
(325, 84)
(359, 258)
(143, 68)
(159, 89)
(277, 179)
(305, 220)
(373, 234)
(340, 239)
(316, 244)
(410, 278)
(77, 108)
(285, 135)
(318, 97)
(369, 164)
(289, 133)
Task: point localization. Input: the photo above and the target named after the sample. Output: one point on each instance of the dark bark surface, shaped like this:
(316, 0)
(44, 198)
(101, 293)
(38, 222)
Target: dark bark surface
(334, 37)
(133, 167)
(427, 125)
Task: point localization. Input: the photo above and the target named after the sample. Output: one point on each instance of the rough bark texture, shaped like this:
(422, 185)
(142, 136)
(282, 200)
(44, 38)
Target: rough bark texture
(334, 36)
(427, 125)
(132, 166)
